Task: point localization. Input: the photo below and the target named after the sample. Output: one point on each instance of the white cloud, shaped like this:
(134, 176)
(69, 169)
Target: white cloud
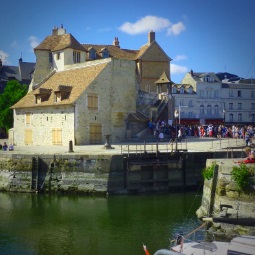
(34, 41)
(180, 57)
(176, 29)
(145, 24)
(177, 69)
(4, 57)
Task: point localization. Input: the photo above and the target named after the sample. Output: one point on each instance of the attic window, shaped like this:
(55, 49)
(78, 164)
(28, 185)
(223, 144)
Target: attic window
(92, 53)
(63, 92)
(104, 53)
(182, 90)
(42, 95)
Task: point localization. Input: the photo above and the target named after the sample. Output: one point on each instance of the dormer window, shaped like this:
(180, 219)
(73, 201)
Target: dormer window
(190, 90)
(76, 57)
(104, 53)
(42, 95)
(63, 92)
(92, 53)
(182, 90)
(174, 90)
(208, 79)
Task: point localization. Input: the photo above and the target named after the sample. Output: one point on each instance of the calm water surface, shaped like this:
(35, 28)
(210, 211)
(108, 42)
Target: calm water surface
(43, 224)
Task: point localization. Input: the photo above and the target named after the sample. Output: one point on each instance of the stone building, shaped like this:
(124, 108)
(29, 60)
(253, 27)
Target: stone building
(83, 92)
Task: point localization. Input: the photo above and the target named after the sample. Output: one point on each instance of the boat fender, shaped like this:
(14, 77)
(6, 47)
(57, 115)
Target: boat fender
(167, 252)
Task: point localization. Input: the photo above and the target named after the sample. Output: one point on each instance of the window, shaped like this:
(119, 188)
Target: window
(230, 106)
(231, 94)
(28, 118)
(239, 93)
(231, 117)
(202, 110)
(216, 110)
(239, 106)
(92, 53)
(181, 102)
(174, 90)
(76, 57)
(92, 102)
(58, 55)
(252, 94)
(50, 57)
(209, 110)
(239, 116)
(201, 92)
(252, 117)
(182, 90)
(216, 93)
(190, 103)
(57, 96)
(104, 53)
(252, 106)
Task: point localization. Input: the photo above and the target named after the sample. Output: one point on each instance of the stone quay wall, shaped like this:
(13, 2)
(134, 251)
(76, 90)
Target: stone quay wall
(113, 174)
(223, 199)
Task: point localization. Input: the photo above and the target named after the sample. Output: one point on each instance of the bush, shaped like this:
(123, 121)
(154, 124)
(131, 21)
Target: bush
(241, 175)
(208, 171)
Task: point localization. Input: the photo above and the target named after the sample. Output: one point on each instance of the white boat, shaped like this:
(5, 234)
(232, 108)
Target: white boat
(240, 245)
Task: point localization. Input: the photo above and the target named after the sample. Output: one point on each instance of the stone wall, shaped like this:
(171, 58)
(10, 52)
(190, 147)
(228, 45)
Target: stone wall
(222, 198)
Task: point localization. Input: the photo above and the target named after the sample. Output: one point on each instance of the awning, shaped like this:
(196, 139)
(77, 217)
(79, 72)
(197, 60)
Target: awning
(214, 121)
(189, 121)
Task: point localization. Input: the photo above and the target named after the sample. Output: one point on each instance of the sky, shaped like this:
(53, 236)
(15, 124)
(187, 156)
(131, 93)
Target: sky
(202, 35)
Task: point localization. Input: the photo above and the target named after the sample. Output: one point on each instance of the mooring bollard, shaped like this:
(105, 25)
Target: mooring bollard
(70, 146)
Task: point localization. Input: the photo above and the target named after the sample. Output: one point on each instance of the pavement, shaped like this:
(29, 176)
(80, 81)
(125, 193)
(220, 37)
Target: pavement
(191, 144)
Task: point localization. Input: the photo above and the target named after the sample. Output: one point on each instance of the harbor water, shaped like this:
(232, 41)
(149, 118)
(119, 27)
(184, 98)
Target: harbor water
(32, 224)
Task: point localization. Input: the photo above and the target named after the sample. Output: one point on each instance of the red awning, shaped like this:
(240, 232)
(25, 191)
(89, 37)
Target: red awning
(214, 121)
(190, 121)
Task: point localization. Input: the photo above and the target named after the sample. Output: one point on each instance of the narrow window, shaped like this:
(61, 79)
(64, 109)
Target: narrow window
(28, 118)
(239, 93)
(50, 57)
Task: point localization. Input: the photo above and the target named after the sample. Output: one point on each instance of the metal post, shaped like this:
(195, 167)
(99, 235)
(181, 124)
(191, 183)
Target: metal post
(176, 135)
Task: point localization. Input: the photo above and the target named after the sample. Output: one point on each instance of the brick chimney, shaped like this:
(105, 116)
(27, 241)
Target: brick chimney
(151, 37)
(116, 42)
(58, 31)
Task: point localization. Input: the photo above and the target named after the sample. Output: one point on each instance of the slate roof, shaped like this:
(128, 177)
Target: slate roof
(78, 78)
(197, 76)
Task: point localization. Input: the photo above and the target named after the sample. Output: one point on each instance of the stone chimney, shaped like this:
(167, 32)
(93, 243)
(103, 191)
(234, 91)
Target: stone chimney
(58, 31)
(151, 37)
(116, 42)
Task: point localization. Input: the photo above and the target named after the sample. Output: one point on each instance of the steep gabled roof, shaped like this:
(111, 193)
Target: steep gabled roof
(59, 42)
(77, 78)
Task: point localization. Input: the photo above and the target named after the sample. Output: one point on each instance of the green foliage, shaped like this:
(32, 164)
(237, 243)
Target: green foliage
(241, 175)
(13, 92)
(208, 171)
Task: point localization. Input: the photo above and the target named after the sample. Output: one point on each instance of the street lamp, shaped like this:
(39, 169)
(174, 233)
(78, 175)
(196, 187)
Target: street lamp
(224, 112)
(176, 115)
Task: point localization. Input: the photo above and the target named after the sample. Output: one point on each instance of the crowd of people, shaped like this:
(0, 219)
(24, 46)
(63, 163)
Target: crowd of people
(161, 128)
(5, 147)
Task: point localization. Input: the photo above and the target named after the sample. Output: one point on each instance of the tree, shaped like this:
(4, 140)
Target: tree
(13, 92)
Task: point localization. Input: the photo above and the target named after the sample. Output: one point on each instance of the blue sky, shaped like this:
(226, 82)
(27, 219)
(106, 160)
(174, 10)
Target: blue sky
(203, 35)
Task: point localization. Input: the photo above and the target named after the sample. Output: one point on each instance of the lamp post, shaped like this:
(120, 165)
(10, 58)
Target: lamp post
(176, 115)
(224, 112)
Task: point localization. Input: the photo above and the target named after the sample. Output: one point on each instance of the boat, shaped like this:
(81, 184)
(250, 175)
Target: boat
(239, 245)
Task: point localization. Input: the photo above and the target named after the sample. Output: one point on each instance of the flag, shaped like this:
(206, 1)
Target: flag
(146, 250)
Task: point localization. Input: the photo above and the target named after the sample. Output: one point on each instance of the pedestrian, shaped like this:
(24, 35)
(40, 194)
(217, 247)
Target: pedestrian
(5, 146)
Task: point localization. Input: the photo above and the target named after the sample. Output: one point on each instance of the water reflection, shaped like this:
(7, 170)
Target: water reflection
(42, 224)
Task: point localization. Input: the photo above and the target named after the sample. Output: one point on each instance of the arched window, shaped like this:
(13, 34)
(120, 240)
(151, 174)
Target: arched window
(209, 109)
(202, 109)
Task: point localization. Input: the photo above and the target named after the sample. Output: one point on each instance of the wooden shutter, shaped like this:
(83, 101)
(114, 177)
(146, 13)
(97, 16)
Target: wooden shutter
(57, 136)
(92, 101)
(28, 118)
